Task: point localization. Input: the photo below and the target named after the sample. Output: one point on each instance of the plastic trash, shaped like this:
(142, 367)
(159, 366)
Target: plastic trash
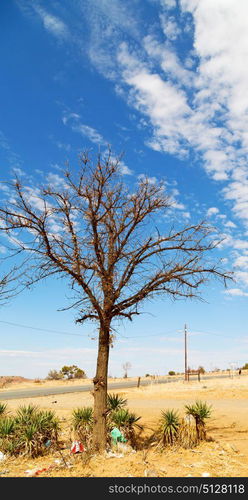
(111, 454)
(77, 447)
(124, 448)
(2, 456)
(117, 435)
(48, 443)
(36, 472)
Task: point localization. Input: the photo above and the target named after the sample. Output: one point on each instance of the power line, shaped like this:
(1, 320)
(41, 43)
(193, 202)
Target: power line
(41, 329)
(211, 333)
(155, 335)
(57, 332)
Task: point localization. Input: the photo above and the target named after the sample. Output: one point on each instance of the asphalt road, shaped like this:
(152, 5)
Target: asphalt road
(52, 391)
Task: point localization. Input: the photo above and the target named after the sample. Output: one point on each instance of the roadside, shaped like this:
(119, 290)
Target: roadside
(226, 455)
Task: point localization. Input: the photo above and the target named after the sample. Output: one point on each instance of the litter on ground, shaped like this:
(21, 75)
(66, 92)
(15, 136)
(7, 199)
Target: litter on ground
(77, 447)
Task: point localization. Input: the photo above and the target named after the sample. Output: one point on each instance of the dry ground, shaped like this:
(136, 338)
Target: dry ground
(226, 455)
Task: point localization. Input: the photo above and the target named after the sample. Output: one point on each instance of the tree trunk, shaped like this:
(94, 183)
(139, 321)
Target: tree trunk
(100, 391)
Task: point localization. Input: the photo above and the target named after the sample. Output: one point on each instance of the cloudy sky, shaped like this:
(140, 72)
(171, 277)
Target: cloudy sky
(165, 82)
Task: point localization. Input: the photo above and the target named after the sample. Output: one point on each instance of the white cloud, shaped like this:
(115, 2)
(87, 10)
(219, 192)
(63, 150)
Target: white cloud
(107, 22)
(64, 146)
(242, 276)
(237, 191)
(178, 206)
(18, 171)
(195, 102)
(56, 180)
(4, 187)
(73, 120)
(212, 211)
(17, 353)
(235, 243)
(150, 180)
(124, 169)
(186, 215)
(170, 27)
(169, 60)
(230, 224)
(212, 118)
(90, 133)
(169, 4)
(52, 24)
(236, 292)
(241, 261)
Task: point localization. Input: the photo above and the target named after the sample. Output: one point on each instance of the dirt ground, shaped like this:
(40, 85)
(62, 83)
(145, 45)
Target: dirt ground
(224, 455)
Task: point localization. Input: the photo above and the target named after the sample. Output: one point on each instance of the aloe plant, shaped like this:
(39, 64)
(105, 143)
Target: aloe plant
(82, 421)
(2, 409)
(7, 427)
(169, 426)
(28, 431)
(201, 411)
(127, 422)
(115, 402)
(25, 414)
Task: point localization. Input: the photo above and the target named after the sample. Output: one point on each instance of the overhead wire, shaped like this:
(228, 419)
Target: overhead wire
(161, 334)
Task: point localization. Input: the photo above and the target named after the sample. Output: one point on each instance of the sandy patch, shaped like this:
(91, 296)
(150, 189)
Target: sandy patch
(225, 456)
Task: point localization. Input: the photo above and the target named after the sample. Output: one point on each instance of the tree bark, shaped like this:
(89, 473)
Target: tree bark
(100, 391)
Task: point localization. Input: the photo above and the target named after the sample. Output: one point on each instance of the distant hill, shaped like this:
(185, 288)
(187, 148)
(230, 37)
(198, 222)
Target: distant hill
(11, 379)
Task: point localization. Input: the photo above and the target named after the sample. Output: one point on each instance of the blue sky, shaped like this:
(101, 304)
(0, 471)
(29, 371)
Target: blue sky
(165, 82)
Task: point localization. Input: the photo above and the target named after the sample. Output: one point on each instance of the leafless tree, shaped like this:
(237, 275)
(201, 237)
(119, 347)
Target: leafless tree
(103, 237)
(6, 290)
(126, 366)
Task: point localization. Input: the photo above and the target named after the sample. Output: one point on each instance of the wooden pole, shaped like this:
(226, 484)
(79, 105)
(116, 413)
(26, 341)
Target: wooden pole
(185, 354)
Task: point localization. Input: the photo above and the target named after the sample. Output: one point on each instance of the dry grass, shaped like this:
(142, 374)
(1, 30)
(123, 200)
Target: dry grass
(225, 456)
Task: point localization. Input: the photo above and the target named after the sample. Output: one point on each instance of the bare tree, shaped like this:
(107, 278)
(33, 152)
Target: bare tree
(103, 238)
(6, 290)
(126, 366)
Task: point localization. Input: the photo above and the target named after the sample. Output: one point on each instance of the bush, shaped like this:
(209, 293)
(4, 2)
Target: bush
(82, 421)
(28, 431)
(2, 409)
(169, 427)
(72, 371)
(127, 422)
(79, 373)
(171, 372)
(115, 402)
(200, 411)
(54, 375)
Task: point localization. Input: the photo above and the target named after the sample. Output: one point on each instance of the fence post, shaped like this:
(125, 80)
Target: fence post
(138, 384)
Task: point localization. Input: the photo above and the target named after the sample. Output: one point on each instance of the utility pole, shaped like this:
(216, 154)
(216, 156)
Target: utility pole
(185, 354)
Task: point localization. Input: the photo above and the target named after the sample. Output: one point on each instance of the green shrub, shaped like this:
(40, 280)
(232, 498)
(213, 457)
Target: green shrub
(82, 421)
(2, 409)
(28, 431)
(201, 411)
(115, 402)
(127, 422)
(7, 427)
(169, 427)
